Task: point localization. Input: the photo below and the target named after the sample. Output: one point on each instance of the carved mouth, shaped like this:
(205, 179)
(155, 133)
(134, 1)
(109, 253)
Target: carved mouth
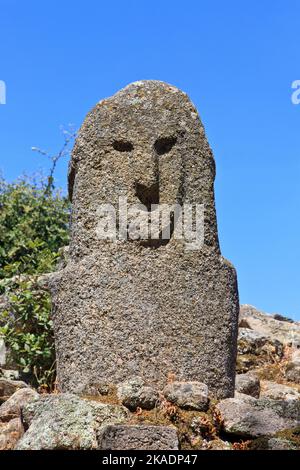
(148, 195)
(158, 242)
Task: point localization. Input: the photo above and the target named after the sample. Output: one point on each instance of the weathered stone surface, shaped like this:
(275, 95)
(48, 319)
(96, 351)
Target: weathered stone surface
(295, 358)
(258, 417)
(138, 437)
(248, 384)
(256, 349)
(254, 342)
(278, 391)
(12, 407)
(9, 374)
(134, 393)
(273, 443)
(218, 444)
(10, 433)
(280, 444)
(66, 422)
(188, 395)
(8, 387)
(292, 372)
(292, 369)
(243, 396)
(2, 352)
(134, 307)
(285, 331)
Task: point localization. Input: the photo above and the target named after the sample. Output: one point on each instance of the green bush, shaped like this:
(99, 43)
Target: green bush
(33, 228)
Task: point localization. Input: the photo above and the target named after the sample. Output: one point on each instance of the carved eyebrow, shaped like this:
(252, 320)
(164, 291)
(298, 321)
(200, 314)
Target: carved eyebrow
(164, 144)
(122, 145)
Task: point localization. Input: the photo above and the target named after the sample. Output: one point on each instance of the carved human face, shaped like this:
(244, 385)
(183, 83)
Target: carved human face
(145, 143)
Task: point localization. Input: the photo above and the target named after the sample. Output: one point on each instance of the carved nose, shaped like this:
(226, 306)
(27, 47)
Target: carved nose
(149, 176)
(147, 186)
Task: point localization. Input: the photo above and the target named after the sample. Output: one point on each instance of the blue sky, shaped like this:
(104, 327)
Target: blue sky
(236, 60)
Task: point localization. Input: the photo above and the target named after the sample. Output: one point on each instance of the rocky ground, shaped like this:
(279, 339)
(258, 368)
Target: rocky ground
(264, 414)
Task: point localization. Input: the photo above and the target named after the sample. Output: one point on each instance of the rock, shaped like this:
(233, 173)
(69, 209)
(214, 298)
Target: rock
(292, 369)
(243, 396)
(246, 363)
(258, 417)
(138, 437)
(8, 387)
(285, 331)
(187, 395)
(273, 443)
(254, 342)
(11, 408)
(10, 433)
(156, 305)
(218, 444)
(280, 444)
(135, 394)
(247, 384)
(66, 422)
(278, 391)
(2, 352)
(292, 372)
(256, 349)
(9, 374)
(296, 356)
(43, 281)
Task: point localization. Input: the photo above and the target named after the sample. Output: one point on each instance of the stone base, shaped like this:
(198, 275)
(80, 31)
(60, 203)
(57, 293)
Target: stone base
(148, 312)
(141, 437)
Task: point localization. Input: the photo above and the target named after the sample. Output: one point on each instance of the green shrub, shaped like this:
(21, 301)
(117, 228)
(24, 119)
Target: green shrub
(33, 228)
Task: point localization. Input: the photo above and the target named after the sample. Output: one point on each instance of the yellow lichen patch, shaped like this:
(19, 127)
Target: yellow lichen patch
(292, 435)
(109, 397)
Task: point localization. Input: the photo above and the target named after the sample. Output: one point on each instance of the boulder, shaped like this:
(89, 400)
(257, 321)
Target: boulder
(11, 408)
(276, 443)
(296, 356)
(256, 349)
(243, 396)
(292, 369)
(254, 342)
(138, 437)
(135, 394)
(8, 387)
(292, 372)
(188, 395)
(10, 433)
(258, 417)
(2, 352)
(278, 391)
(276, 327)
(66, 421)
(9, 374)
(218, 444)
(248, 384)
(273, 443)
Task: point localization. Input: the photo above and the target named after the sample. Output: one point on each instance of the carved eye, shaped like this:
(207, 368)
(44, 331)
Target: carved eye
(164, 144)
(122, 145)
